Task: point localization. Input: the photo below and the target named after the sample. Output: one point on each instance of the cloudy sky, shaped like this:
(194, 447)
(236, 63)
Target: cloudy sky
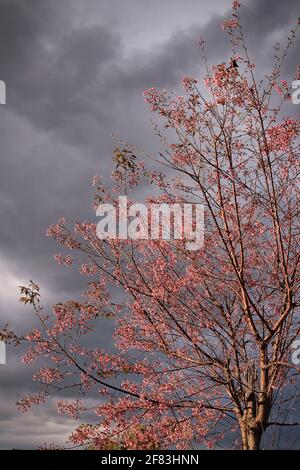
(75, 71)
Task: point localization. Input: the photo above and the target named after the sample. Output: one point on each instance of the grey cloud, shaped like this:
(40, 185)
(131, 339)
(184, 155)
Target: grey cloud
(70, 80)
(53, 72)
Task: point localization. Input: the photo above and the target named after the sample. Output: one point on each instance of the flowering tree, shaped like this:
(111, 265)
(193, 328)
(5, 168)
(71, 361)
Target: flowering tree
(203, 337)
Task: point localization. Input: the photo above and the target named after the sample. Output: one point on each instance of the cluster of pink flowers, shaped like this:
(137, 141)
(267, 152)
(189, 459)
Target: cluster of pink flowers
(58, 232)
(282, 89)
(230, 24)
(72, 409)
(34, 335)
(65, 317)
(87, 382)
(233, 22)
(236, 4)
(26, 402)
(97, 181)
(179, 111)
(48, 375)
(55, 230)
(228, 86)
(189, 83)
(33, 352)
(83, 434)
(281, 135)
(66, 260)
(181, 156)
(155, 98)
(86, 229)
(89, 269)
(131, 175)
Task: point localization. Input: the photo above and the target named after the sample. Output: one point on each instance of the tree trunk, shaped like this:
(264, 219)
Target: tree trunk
(250, 438)
(254, 440)
(252, 422)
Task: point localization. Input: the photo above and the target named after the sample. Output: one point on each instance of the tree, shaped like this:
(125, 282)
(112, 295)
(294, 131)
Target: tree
(204, 337)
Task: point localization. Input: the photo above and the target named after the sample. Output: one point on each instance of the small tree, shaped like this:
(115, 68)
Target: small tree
(204, 337)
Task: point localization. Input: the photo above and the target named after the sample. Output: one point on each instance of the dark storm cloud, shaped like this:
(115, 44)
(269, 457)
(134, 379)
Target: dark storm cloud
(70, 80)
(53, 72)
(69, 84)
(267, 22)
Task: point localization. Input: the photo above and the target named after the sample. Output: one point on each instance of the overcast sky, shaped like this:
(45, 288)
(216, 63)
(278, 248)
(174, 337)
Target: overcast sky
(75, 71)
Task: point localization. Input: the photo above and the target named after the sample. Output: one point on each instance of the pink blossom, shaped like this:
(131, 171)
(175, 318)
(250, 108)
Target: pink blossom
(66, 260)
(72, 409)
(230, 24)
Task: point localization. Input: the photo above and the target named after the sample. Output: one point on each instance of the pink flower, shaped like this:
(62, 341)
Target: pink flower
(72, 409)
(230, 24)
(48, 375)
(66, 260)
(236, 4)
(189, 82)
(281, 135)
(26, 402)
